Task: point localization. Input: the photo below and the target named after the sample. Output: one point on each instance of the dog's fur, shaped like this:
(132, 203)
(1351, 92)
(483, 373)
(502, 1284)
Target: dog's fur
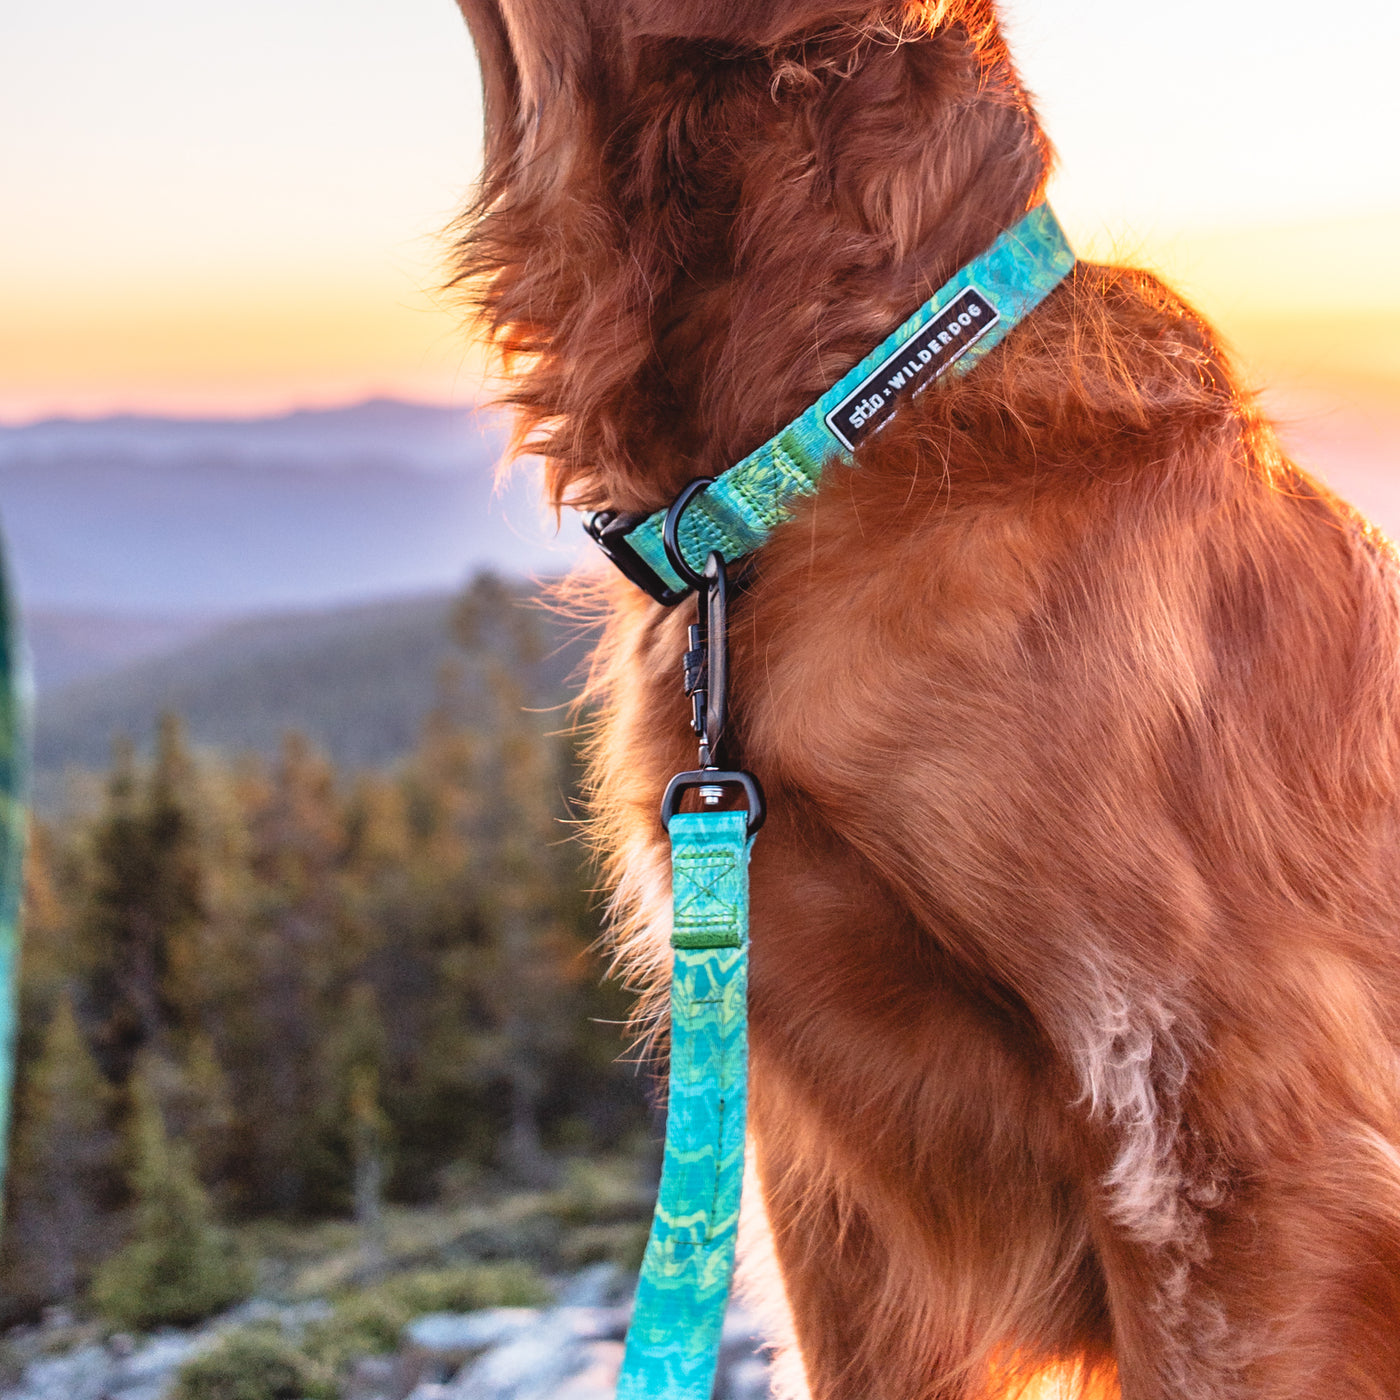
(1076, 922)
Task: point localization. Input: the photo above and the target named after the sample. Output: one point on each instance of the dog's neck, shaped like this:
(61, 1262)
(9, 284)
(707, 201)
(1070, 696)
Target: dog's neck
(710, 240)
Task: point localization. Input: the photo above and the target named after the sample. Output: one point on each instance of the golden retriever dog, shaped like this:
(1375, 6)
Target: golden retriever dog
(1076, 921)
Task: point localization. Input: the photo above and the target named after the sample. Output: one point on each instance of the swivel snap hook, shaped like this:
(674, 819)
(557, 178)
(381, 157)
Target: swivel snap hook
(706, 661)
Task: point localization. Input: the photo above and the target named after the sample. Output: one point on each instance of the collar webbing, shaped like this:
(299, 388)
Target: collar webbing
(972, 312)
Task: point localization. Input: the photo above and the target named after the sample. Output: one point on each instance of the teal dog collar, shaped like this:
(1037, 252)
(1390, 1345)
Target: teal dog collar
(970, 314)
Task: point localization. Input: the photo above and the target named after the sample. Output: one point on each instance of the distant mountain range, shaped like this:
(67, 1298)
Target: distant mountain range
(165, 518)
(297, 572)
(256, 575)
(357, 680)
(77, 646)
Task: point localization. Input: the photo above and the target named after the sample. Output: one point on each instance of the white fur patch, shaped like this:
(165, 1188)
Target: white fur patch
(759, 1286)
(1134, 1068)
(1133, 1071)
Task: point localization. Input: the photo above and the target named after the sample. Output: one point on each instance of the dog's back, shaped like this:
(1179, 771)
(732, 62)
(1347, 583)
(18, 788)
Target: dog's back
(1074, 954)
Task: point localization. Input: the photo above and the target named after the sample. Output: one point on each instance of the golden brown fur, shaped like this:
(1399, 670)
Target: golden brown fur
(1076, 923)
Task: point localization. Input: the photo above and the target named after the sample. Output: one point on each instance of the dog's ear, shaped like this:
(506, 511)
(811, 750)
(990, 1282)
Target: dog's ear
(530, 51)
(500, 79)
(764, 24)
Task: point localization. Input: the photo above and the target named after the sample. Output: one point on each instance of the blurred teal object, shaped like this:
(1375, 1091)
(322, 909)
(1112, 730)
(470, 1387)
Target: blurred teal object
(14, 773)
(673, 1342)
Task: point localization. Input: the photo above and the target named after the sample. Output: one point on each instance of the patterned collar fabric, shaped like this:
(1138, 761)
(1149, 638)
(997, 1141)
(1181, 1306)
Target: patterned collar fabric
(969, 315)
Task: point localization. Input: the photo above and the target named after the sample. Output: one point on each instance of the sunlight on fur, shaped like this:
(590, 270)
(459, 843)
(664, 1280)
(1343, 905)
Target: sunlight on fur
(1060, 1383)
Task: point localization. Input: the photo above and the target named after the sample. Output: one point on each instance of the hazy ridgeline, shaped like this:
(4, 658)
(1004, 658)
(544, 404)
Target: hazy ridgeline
(305, 990)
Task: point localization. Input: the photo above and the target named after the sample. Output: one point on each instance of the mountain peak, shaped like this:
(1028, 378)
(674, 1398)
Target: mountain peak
(308, 508)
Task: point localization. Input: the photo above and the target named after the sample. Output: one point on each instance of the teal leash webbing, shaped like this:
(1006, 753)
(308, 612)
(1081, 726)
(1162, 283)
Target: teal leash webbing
(673, 1342)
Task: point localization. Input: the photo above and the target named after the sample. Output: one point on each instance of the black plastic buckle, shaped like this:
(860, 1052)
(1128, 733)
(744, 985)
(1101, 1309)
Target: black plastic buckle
(715, 778)
(608, 529)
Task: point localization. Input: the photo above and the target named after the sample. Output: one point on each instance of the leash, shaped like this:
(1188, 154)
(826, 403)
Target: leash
(678, 1318)
(677, 1322)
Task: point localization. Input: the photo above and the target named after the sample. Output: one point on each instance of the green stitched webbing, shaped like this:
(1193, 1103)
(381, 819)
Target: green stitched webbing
(737, 513)
(673, 1342)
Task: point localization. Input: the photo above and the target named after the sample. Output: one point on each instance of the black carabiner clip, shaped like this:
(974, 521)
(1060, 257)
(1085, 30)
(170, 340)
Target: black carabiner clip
(714, 600)
(706, 661)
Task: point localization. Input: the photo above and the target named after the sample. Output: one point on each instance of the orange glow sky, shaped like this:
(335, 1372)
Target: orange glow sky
(238, 209)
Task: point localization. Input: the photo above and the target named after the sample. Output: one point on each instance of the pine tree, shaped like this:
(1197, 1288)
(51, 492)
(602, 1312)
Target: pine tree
(63, 1159)
(178, 1266)
(50, 959)
(176, 899)
(298, 969)
(443, 802)
(192, 1092)
(519, 865)
(233, 931)
(144, 904)
(363, 1055)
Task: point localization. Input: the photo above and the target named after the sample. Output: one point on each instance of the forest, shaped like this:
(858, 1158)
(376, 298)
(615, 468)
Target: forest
(268, 988)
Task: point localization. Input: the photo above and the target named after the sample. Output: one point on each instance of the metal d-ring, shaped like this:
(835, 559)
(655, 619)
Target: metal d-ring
(670, 532)
(715, 779)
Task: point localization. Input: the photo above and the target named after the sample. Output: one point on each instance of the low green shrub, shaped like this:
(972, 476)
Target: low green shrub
(180, 1266)
(359, 1326)
(599, 1191)
(466, 1288)
(255, 1363)
(169, 1283)
(622, 1243)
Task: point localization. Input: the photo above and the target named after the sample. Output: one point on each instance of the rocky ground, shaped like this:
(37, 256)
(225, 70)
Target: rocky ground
(570, 1350)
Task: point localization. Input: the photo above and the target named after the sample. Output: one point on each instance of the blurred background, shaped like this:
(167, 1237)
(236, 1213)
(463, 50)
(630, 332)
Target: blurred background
(308, 1007)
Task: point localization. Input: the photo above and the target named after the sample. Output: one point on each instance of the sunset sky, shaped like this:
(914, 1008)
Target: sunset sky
(237, 208)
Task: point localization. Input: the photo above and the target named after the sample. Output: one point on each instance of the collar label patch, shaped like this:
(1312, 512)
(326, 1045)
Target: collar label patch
(912, 367)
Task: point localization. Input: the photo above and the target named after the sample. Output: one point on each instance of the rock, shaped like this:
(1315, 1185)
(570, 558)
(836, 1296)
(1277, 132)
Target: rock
(569, 1352)
(375, 1378)
(594, 1324)
(596, 1378)
(149, 1390)
(597, 1286)
(150, 1371)
(81, 1375)
(513, 1352)
(288, 1316)
(153, 1364)
(531, 1367)
(461, 1335)
(124, 1371)
(438, 1345)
